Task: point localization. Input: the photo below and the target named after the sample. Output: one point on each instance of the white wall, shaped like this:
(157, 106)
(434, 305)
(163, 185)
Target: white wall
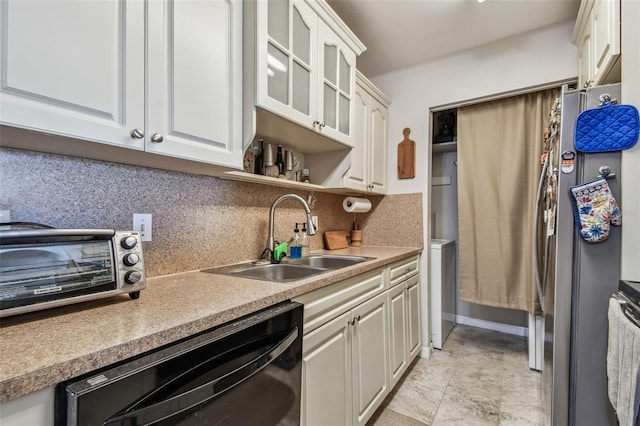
(531, 59)
(631, 158)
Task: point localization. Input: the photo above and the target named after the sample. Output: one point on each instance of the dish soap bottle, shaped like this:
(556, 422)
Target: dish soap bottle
(304, 241)
(295, 249)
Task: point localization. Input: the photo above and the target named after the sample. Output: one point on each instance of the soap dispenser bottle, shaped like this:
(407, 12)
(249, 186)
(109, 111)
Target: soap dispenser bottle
(295, 248)
(304, 240)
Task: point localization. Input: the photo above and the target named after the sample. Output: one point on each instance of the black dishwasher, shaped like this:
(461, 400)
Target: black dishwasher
(247, 372)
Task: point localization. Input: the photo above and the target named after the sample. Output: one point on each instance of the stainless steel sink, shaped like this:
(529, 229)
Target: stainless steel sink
(292, 270)
(328, 261)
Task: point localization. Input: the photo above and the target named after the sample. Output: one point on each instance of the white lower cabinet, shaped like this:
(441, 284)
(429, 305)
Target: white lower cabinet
(369, 357)
(345, 362)
(344, 375)
(359, 340)
(326, 374)
(404, 318)
(398, 359)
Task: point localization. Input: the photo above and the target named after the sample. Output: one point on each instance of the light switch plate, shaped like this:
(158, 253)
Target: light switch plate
(142, 223)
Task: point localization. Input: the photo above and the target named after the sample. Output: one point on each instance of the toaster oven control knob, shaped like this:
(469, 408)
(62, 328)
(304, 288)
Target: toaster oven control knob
(129, 242)
(132, 277)
(130, 259)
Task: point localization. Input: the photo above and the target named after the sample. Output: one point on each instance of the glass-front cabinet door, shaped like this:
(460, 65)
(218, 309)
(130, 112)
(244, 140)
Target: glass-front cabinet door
(336, 105)
(305, 70)
(287, 64)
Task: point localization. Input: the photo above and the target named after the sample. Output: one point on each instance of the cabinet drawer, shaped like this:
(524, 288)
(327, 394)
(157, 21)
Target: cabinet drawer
(328, 302)
(403, 269)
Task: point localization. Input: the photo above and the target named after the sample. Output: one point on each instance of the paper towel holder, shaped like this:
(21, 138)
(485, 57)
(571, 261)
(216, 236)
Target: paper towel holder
(356, 205)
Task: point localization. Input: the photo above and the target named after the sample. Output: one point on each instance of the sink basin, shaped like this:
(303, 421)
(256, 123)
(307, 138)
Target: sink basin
(328, 261)
(280, 272)
(292, 270)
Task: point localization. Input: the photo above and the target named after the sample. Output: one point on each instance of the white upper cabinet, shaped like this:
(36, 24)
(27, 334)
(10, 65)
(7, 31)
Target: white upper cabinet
(597, 36)
(335, 106)
(194, 80)
(287, 71)
(74, 68)
(82, 70)
(304, 58)
(368, 171)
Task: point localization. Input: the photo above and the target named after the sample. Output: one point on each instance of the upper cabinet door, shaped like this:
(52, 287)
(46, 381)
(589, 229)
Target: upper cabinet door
(194, 80)
(336, 87)
(74, 68)
(597, 36)
(356, 177)
(606, 38)
(378, 146)
(287, 59)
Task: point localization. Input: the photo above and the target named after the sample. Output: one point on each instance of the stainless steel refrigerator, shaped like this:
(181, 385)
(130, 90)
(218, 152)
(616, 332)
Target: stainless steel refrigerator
(578, 279)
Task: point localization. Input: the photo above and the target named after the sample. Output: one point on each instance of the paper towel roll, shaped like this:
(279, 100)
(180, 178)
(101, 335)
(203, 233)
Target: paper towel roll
(356, 205)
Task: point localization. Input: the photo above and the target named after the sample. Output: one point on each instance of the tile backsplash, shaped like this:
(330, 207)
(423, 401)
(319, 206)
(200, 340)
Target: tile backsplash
(198, 221)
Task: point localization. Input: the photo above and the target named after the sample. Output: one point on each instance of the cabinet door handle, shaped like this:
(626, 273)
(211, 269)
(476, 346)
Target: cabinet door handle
(157, 138)
(408, 269)
(137, 133)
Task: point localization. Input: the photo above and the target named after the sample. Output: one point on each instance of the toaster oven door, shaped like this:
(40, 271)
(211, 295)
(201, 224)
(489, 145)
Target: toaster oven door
(34, 273)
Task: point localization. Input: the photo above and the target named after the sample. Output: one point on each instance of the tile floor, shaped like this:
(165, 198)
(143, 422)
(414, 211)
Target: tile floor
(481, 377)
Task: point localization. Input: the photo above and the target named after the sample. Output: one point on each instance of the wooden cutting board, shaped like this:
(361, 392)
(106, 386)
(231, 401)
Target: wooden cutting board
(406, 157)
(336, 239)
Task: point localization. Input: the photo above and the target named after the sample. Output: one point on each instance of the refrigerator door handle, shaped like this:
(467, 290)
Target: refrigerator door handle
(536, 247)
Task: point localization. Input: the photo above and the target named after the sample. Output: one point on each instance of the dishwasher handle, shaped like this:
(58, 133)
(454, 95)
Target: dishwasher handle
(179, 403)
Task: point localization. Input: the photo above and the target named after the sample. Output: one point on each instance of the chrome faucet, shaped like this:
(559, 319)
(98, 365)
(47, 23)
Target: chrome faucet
(311, 229)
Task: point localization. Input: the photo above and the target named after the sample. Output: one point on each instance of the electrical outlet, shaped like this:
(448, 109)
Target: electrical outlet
(314, 219)
(5, 216)
(142, 223)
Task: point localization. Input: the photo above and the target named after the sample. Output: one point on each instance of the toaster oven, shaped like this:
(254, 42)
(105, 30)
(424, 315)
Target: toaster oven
(42, 267)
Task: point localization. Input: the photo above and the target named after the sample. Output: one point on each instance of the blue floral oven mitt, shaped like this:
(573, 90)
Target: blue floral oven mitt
(595, 210)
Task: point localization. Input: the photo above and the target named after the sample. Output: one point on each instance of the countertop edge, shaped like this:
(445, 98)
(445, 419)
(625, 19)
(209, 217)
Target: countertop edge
(39, 378)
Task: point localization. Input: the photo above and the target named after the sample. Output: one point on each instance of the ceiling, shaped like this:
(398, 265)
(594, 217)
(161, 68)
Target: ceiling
(401, 33)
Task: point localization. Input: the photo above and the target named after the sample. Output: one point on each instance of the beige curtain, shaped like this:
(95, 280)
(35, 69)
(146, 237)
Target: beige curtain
(499, 149)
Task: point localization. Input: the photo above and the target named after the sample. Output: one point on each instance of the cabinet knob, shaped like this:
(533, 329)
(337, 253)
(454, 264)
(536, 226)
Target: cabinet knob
(157, 138)
(137, 133)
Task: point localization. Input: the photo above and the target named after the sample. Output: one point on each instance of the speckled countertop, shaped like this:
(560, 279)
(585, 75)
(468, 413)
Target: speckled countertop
(40, 349)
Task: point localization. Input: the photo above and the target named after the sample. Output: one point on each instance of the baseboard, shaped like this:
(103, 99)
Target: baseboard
(495, 326)
(425, 352)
